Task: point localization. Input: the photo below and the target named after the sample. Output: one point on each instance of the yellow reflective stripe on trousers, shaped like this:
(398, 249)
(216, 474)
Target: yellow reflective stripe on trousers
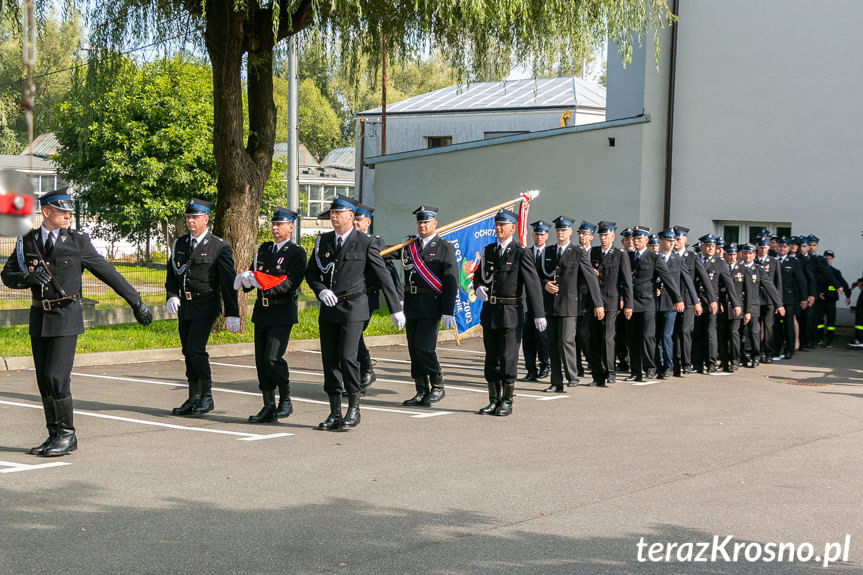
(831, 328)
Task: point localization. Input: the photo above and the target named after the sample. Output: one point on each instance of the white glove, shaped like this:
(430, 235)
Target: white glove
(247, 277)
(447, 321)
(398, 320)
(173, 305)
(238, 282)
(328, 298)
(541, 323)
(482, 293)
(232, 324)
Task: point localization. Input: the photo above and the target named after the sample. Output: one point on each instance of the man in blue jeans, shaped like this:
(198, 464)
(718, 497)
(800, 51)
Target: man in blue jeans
(667, 310)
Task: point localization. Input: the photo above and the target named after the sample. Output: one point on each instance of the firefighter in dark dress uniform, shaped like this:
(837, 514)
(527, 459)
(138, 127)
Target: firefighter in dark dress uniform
(829, 295)
(338, 271)
(611, 266)
(763, 293)
(430, 290)
(362, 223)
(772, 275)
(684, 323)
(706, 343)
(728, 324)
(534, 342)
(275, 313)
(795, 290)
(49, 262)
(585, 234)
(200, 280)
(506, 274)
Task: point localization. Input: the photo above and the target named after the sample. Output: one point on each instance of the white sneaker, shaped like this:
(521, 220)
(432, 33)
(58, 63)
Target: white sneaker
(779, 358)
(856, 345)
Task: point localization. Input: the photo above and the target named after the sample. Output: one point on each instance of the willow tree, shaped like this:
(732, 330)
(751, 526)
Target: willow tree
(240, 36)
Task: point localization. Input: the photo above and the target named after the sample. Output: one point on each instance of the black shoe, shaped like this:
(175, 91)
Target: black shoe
(650, 374)
(205, 404)
(334, 421)
(554, 389)
(352, 418)
(677, 373)
(687, 369)
(437, 391)
(504, 408)
(188, 406)
(766, 360)
(544, 372)
(622, 366)
(660, 375)
(65, 442)
(286, 407)
(712, 369)
(494, 392)
(531, 376)
(268, 412)
(421, 384)
(789, 355)
(50, 423)
(635, 378)
(367, 373)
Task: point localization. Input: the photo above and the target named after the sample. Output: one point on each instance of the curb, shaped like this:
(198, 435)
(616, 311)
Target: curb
(215, 351)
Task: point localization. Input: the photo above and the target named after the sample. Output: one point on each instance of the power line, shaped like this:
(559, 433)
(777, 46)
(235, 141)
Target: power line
(53, 72)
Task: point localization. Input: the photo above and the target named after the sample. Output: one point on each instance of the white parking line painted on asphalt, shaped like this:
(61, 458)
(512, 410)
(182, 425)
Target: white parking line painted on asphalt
(403, 361)
(648, 382)
(243, 435)
(472, 351)
(11, 467)
(401, 381)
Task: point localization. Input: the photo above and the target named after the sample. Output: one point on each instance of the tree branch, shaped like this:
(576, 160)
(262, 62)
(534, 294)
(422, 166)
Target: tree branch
(299, 19)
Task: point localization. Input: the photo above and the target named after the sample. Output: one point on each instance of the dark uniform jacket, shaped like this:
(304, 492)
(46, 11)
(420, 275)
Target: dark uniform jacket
(615, 277)
(699, 278)
(825, 274)
(830, 288)
(278, 305)
(72, 254)
(568, 270)
(200, 278)
(347, 276)
(807, 265)
(770, 275)
(678, 270)
(421, 301)
(540, 272)
(509, 276)
(745, 286)
(649, 268)
(794, 283)
(717, 274)
(374, 289)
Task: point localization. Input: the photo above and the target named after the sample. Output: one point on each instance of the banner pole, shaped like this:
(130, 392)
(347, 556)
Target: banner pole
(531, 194)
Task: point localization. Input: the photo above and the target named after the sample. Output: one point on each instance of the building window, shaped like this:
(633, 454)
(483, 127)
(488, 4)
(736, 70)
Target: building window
(319, 197)
(438, 141)
(748, 231)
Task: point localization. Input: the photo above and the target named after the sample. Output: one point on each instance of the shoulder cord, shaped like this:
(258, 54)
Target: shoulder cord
(324, 268)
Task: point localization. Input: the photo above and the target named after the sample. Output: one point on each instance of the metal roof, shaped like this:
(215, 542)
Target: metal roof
(44, 145)
(569, 92)
(342, 158)
(24, 164)
(305, 156)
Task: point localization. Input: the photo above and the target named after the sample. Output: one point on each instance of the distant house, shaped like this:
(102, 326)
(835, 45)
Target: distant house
(319, 182)
(36, 164)
(480, 111)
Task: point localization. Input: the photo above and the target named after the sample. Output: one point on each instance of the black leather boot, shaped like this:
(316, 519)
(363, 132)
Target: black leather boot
(367, 373)
(268, 412)
(493, 398)
(554, 388)
(65, 441)
(334, 420)
(437, 390)
(50, 423)
(422, 387)
(188, 406)
(505, 406)
(205, 404)
(285, 408)
(352, 418)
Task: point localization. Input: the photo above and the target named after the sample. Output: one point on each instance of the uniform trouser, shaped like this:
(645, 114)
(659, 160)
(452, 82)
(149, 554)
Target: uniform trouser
(534, 344)
(751, 337)
(582, 340)
(53, 358)
(705, 349)
(684, 323)
(665, 321)
(501, 354)
(729, 340)
(561, 347)
(270, 345)
(422, 342)
(768, 323)
(806, 323)
(339, 345)
(641, 333)
(621, 345)
(363, 353)
(858, 319)
(602, 333)
(785, 332)
(194, 334)
(825, 311)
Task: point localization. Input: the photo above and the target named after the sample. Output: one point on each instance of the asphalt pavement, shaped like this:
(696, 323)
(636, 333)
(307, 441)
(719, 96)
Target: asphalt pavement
(581, 482)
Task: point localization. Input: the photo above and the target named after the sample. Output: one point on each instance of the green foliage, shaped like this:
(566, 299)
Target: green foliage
(136, 141)
(317, 122)
(56, 44)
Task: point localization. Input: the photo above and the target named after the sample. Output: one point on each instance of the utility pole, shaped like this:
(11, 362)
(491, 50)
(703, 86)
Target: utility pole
(293, 145)
(384, 98)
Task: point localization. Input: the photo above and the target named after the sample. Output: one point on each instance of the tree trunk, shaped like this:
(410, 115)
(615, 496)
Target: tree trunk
(242, 168)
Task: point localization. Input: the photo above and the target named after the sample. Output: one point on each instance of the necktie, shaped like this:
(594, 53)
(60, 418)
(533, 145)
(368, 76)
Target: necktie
(49, 245)
(499, 251)
(339, 244)
(275, 248)
(559, 252)
(194, 244)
